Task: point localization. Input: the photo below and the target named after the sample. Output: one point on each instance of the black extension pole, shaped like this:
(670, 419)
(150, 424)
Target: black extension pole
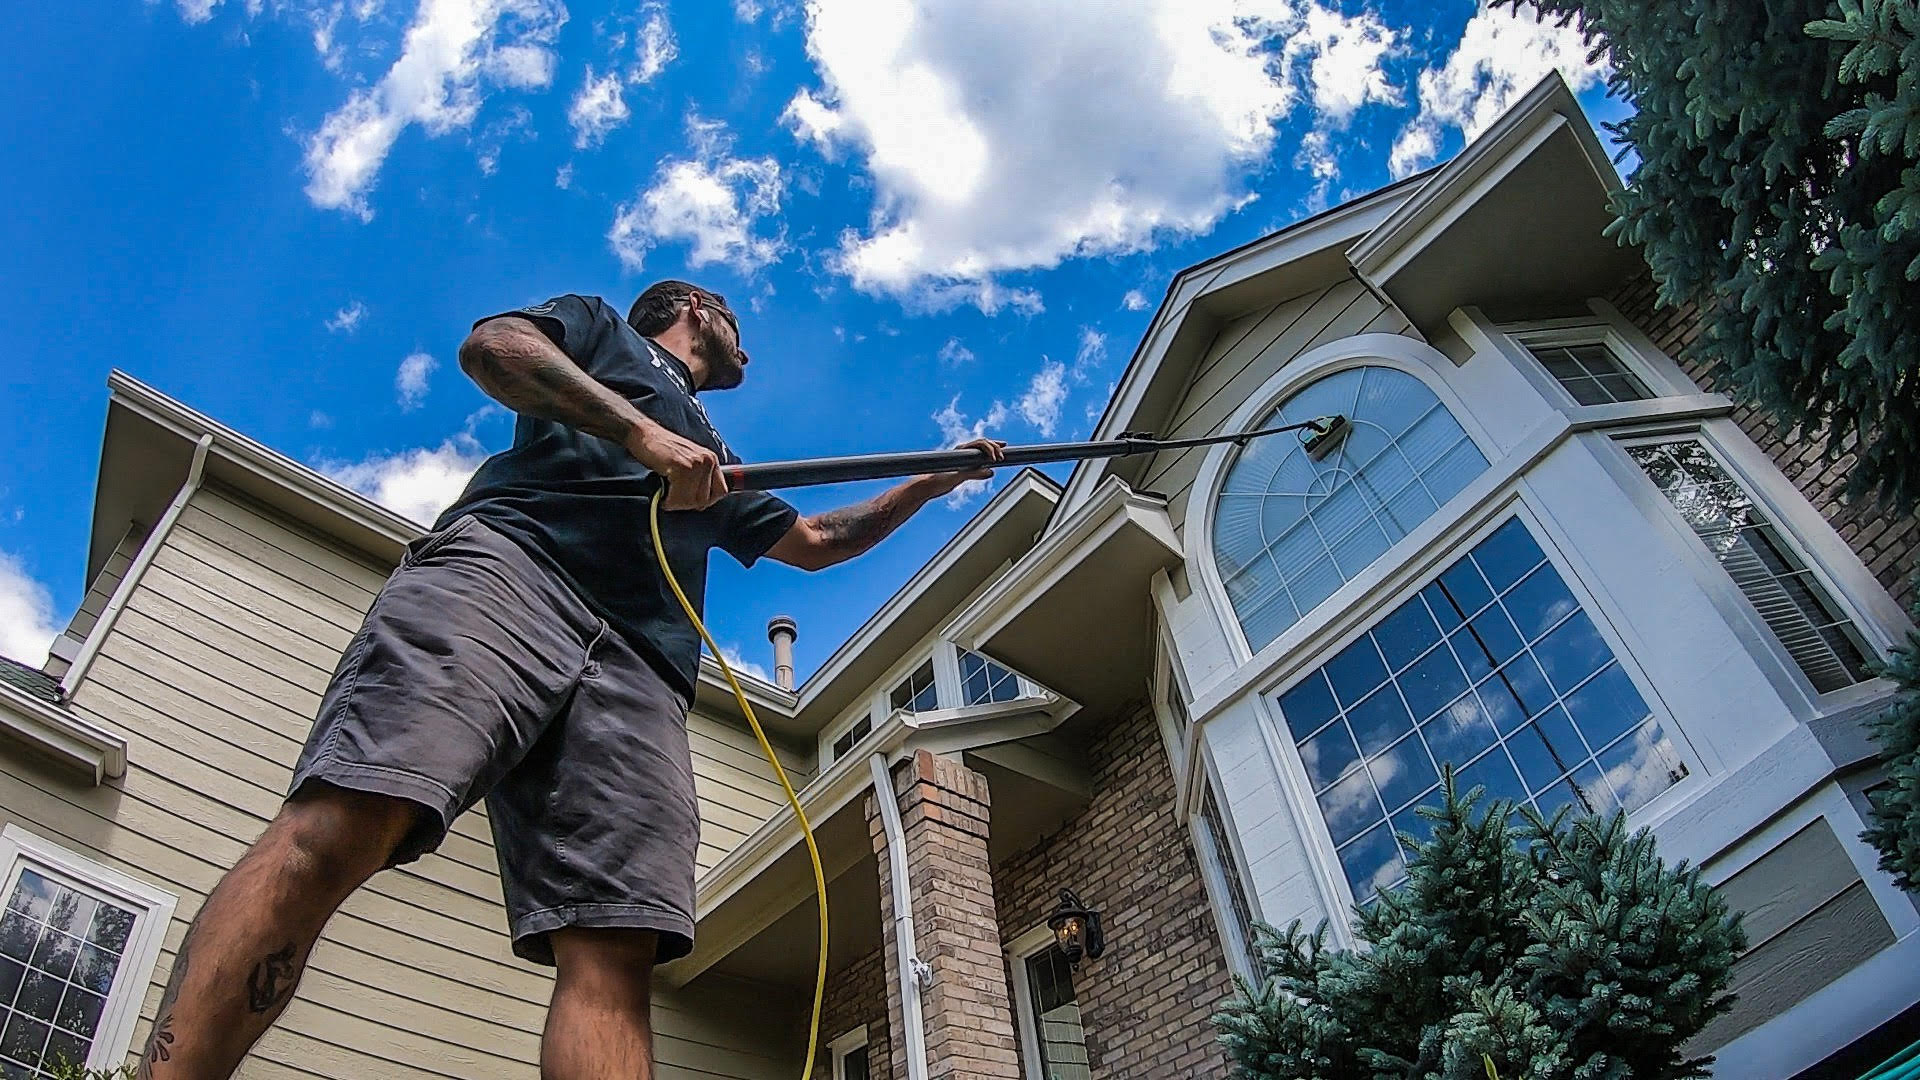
(836, 470)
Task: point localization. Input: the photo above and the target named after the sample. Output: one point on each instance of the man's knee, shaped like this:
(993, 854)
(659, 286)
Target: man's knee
(329, 837)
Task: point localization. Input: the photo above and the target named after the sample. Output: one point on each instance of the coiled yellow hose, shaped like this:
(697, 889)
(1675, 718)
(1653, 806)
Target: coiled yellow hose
(793, 799)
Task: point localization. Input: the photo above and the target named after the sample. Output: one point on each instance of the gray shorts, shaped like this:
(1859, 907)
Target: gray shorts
(479, 674)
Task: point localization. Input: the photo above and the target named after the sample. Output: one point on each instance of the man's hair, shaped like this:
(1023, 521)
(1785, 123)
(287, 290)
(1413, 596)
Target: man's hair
(656, 308)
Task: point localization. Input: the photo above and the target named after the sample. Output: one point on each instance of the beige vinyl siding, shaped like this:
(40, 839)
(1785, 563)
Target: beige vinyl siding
(99, 591)
(1244, 355)
(736, 786)
(214, 671)
(1809, 920)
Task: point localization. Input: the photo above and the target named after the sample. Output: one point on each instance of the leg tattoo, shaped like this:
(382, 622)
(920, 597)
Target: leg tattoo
(160, 1043)
(273, 980)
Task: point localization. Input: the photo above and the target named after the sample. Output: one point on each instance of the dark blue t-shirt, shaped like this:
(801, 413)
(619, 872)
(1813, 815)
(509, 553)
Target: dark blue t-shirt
(579, 503)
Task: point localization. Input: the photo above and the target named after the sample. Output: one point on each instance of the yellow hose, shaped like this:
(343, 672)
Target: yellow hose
(793, 800)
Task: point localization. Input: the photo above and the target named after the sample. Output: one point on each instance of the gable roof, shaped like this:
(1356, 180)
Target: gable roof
(1520, 212)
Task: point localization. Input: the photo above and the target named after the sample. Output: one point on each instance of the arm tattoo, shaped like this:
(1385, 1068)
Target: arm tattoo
(854, 529)
(524, 371)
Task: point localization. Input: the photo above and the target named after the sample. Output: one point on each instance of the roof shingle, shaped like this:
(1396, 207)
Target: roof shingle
(31, 681)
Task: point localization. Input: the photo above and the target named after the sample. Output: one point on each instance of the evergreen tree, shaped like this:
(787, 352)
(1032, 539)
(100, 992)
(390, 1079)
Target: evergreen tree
(1779, 188)
(1894, 823)
(1556, 951)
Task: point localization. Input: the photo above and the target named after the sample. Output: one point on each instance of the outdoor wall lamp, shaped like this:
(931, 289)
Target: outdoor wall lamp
(1076, 929)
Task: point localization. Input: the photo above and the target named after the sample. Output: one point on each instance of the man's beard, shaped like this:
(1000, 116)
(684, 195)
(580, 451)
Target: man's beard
(724, 370)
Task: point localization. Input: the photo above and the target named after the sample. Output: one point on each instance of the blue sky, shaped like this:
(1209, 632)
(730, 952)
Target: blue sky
(937, 217)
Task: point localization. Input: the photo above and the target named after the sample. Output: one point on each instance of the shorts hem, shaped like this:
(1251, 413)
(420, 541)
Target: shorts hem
(427, 793)
(530, 930)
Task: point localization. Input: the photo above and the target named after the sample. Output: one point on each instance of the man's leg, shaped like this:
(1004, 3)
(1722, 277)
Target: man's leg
(244, 954)
(600, 1024)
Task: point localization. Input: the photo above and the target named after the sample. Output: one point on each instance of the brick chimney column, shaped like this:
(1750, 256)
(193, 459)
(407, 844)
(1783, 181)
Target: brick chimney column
(967, 1009)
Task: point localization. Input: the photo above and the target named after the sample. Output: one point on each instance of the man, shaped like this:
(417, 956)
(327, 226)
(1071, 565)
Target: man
(528, 651)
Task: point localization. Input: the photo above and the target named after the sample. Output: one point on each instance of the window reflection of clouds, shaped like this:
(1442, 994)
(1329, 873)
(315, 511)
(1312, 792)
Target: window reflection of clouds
(1494, 668)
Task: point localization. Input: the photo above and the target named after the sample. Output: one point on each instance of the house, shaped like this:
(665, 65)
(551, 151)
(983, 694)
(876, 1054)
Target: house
(1195, 690)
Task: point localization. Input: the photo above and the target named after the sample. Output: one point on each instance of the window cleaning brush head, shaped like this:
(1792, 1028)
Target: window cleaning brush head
(1329, 433)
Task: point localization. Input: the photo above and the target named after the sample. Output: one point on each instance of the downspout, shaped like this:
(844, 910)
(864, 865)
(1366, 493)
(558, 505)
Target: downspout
(914, 972)
(148, 548)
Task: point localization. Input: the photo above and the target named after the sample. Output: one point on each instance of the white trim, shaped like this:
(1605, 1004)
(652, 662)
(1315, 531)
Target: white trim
(196, 472)
(1543, 112)
(867, 637)
(1215, 877)
(1393, 351)
(911, 970)
(1834, 565)
(152, 908)
(57, 732)
(1572, 333)
(847, 1044)
(1294, 244)
(1433, 560)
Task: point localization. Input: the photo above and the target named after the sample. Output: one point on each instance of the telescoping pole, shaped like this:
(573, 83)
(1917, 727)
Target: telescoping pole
(1327, 432)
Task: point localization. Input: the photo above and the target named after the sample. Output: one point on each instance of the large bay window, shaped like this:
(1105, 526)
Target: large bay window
(1495, 668)
(1288, 530)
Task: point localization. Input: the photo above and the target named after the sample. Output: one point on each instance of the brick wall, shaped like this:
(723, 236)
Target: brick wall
(1145, 1004)
(967, 1012)
(1885, 543)
(856, 994)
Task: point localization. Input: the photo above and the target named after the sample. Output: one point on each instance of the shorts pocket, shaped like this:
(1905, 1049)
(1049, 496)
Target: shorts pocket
(423, 547)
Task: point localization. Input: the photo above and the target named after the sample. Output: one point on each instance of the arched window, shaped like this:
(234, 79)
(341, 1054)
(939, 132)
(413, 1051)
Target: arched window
(1288, 530)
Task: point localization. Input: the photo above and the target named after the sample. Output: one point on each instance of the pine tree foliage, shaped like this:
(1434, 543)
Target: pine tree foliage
(1557, 951)
(1779, 188)
(1894, 823)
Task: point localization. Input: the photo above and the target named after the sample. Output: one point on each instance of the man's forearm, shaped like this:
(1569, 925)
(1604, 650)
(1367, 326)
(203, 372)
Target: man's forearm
(529, 374)
(850, 531)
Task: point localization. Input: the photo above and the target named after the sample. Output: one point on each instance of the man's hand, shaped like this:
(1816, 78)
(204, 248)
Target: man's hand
(938, 484)
(692, 472)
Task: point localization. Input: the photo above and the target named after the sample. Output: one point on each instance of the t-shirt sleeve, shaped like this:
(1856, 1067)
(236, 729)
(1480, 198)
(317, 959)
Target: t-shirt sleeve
(755, 521)
(570, 321)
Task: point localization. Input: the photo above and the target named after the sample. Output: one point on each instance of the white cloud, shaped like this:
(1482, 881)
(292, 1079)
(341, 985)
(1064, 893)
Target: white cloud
(413, 379)
(1135, 300)
(1008, 135)
(419, 483)
(956, 428)
(744, 666)
(1345, 66)
(27, 628)
(1040, 405)
(1501, 55)
(347, 319)
(1090, 355)
(746, 10)
(563, 176)
(601, 103)
(452, 50)
(657, 46)
(598, 108)
(955, 353)
(196, 11)
(318, 420)
(712, 200)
